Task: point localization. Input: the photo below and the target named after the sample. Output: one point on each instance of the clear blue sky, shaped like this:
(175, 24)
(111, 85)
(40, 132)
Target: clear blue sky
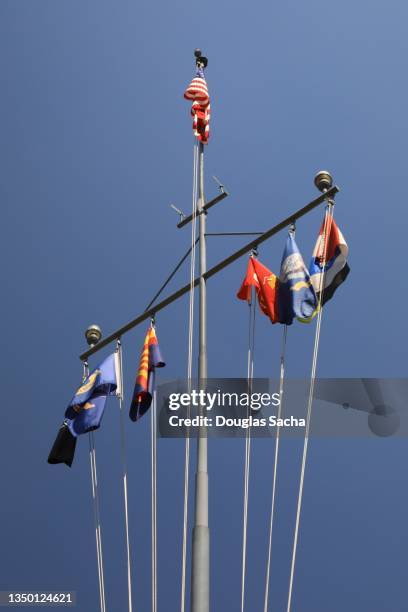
(95, 143)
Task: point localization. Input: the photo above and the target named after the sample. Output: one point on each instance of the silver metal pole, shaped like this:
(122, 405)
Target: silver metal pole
(200, 571)
(93, 334)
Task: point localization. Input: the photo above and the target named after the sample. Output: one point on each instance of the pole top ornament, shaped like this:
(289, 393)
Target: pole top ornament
(93, 334)
(201, 61)
(323, 180)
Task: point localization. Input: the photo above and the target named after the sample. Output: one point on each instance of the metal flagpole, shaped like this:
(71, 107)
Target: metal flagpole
(98, 536)
(200, 570)
(250, 375)
(119, 394)
(93, 334)
(194, 241)
(154, 498)
(323, 181)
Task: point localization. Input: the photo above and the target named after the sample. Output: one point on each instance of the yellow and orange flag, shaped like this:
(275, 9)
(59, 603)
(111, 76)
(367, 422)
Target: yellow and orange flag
(150, 359)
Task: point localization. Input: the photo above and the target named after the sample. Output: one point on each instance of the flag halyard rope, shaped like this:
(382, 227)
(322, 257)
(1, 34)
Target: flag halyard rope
(250, 374)
(154, 498)
(95, 499)
(327, 227)
(275, 467)
(292, 230)
(189, 373)
(120, 396)
(97, 523)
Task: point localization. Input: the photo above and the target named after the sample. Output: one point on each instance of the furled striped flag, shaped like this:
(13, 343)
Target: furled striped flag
(296, 297)
(150, 359)
(329, 257)
(266, 285)
(197, 91)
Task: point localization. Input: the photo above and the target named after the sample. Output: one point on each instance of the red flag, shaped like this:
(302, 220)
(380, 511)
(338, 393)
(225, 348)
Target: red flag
(266, 285)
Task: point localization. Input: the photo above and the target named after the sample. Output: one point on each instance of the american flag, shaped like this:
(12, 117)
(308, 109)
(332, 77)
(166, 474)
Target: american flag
(197, 91)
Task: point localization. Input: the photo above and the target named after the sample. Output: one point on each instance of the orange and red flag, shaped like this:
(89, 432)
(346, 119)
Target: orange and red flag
(150, 359)
(266, 284)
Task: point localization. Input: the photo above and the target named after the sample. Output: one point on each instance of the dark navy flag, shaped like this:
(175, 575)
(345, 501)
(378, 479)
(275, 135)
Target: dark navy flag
(63, 449)
(85, 410)
(296, 295)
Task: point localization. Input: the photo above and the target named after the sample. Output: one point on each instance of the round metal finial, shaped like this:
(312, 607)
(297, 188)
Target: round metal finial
(93, 334)
(323, 180)
(200, 59)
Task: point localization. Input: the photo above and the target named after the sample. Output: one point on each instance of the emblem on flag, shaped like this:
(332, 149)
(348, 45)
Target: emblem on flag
(297, 297)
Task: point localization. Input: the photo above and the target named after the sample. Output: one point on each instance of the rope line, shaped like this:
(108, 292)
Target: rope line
(292, 230)
(327, 226)
(154, 500)
(189, 373)
(120, 396)
(275, 466)
(95, 499)
(250, 374)
(97, 530)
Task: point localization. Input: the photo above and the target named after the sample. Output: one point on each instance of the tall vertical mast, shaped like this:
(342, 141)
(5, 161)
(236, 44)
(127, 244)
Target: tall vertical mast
(200, 571)
(202, 356)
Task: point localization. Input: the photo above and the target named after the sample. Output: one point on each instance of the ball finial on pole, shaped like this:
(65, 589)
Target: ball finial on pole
(323, 180)
(200, 59)
(93, 334)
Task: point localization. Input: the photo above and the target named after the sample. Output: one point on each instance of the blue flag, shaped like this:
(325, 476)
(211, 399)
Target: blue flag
(296, 295)
(85, 410)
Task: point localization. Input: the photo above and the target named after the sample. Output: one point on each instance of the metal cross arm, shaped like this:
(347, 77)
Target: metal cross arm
(330, 193)
(206, 207)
